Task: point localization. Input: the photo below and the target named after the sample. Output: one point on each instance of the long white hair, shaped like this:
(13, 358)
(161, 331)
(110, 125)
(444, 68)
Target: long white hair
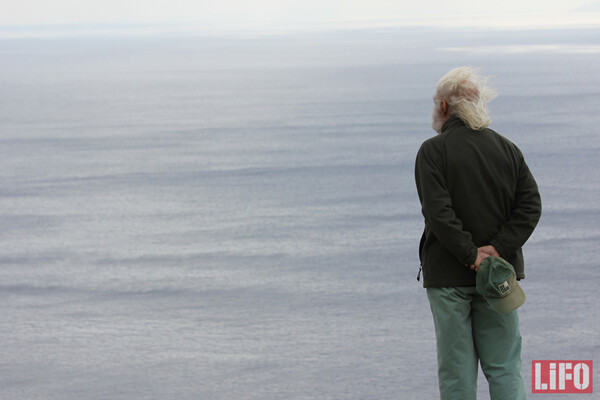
(466, 93)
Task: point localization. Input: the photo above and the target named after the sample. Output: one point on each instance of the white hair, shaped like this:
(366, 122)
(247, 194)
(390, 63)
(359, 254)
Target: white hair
(466, 93)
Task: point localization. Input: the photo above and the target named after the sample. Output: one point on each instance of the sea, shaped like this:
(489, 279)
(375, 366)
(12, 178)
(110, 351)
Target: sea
(233, 215)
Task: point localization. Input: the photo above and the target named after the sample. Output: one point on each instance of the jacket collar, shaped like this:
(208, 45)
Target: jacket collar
(452, 123)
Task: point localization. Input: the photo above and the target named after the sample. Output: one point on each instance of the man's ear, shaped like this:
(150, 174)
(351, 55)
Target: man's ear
(444, 108)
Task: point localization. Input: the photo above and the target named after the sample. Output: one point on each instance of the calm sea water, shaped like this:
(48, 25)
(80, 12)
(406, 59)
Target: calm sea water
(235, 217)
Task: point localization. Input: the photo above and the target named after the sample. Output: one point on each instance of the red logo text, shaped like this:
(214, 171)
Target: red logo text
(564, 376)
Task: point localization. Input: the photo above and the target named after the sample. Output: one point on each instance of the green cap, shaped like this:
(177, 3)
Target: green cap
(497, 283)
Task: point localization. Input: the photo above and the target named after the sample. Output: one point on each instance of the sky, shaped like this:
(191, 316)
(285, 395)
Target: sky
(216, 14)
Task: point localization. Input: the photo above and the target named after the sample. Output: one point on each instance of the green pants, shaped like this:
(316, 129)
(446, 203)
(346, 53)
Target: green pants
(468, 331)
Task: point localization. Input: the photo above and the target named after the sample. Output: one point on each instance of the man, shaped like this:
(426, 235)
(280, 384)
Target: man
(479, 199)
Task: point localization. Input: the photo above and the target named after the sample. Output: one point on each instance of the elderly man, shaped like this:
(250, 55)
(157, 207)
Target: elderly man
(479, 199)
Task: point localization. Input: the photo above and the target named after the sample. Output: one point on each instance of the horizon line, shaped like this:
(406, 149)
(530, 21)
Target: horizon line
(574, 20)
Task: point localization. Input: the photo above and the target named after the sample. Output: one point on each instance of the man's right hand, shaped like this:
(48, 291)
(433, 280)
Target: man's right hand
(480, 257)
(489, 250)
(483, 253)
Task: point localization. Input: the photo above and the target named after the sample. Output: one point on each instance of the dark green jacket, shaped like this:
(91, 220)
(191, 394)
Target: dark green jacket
(475, 189)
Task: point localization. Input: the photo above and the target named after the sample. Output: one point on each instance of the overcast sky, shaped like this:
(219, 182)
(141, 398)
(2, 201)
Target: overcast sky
(215, 13)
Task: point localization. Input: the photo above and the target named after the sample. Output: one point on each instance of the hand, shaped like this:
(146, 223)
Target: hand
(480, 257)
(489, 250)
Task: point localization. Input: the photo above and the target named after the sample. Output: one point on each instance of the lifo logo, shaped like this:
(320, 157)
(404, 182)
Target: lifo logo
(561, 376)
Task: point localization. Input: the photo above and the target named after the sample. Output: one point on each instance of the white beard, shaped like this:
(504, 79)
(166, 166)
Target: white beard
(436, 119)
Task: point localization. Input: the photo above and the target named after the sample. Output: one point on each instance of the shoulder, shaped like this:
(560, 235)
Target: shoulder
(432, 145)
(430, 155)
(508, 145)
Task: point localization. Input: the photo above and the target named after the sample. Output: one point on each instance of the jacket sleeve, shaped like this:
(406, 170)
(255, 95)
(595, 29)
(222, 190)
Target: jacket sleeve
(525, 214)
(436, 205)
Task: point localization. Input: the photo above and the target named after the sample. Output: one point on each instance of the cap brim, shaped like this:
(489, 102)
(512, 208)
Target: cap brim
(504, 305)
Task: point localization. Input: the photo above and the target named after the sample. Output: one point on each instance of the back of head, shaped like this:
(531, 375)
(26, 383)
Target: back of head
(466, 93)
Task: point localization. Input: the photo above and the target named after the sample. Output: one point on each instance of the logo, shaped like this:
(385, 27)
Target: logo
(561, 376)
(504, 287)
